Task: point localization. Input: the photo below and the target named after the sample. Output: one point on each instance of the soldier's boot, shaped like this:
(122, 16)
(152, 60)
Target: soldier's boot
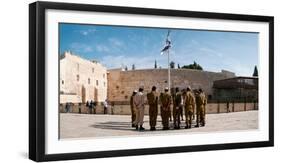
(137, 127)
(166, 128)
(152, 129)
(203, 123)
(197, 125)
(141, 128)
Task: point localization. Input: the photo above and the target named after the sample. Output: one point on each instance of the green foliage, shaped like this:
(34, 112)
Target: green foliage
(194, 66)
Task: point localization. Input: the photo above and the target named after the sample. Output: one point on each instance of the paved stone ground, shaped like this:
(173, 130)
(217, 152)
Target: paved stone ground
(86, 126)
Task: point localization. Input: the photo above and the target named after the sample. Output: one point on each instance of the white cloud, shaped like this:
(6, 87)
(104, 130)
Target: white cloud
(210, 52)
(86, 32)
(111, 61)
(102, 48)
(115, 42)
(78, 47)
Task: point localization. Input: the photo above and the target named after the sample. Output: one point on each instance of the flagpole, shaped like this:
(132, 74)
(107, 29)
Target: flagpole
(169, 78)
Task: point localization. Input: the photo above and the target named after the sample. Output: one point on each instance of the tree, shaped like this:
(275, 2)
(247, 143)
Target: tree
(195, 66)
(172, 64)
(179, 66)
(133, 67)
(155, 64)
(256, 74)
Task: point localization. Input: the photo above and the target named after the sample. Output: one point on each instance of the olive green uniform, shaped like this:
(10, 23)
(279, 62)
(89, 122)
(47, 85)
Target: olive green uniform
(201, 102)
(152, 100)
(189, 108)
(177, 107)
(133, 109)
(165, 99)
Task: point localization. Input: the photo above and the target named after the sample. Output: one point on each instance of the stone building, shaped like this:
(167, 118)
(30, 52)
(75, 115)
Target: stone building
(122, 83)
(81, 79)
(237, 88)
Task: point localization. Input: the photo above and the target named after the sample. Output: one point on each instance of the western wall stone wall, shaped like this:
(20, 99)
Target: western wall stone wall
(121, 84)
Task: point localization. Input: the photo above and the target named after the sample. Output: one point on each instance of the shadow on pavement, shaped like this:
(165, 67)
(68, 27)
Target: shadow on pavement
(114, 125)
(121, 125)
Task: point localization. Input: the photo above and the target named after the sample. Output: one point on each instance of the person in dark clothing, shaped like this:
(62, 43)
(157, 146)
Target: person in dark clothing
(79, 107)
(67, 107)
(105, 106)
(91, 106)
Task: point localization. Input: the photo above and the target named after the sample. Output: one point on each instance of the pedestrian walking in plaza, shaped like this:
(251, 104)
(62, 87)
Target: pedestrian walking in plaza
(201, 102)
(67, 107)
(139, 103)
(105, 106)
(189, 106)
(152, 100)
(177, 106)
(79, 107)
(91, 107)
(133, 108)
(165, 100)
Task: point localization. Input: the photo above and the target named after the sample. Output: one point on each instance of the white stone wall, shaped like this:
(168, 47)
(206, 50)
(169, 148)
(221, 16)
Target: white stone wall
(77, 74)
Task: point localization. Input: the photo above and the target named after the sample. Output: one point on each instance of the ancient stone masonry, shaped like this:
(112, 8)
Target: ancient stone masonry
(122, 83)
(81, 80)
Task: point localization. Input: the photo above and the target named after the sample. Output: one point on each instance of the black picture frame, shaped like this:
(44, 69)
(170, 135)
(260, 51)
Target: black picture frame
(37, 80)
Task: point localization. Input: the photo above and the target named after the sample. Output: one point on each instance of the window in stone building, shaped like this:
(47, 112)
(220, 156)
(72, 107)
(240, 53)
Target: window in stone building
(93, 70)
(62, 82)
(103, 75)
(77, 77)
(122, 92)
(104, 84)
(89, 81)
(126, 97)
(77, 67)
(117, 87)
(97, 82)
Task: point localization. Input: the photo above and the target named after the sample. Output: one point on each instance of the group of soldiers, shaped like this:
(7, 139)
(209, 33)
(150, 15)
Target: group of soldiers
(192, 102)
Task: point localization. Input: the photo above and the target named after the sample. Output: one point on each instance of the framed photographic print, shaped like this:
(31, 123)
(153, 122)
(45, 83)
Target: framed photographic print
(108, 81)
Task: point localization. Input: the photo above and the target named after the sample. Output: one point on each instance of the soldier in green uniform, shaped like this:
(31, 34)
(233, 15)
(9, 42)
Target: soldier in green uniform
(133, 109)
(201, 102)
(189, 107)
(152, 100)
(165, 99)
(177, 106)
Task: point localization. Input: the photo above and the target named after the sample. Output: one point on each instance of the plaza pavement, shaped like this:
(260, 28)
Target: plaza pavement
(99, 125)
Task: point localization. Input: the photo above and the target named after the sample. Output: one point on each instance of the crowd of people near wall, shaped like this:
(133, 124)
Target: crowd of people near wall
(187, 100)
(91, 105)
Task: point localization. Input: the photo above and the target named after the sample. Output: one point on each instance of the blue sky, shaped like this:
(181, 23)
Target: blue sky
(115, 46)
